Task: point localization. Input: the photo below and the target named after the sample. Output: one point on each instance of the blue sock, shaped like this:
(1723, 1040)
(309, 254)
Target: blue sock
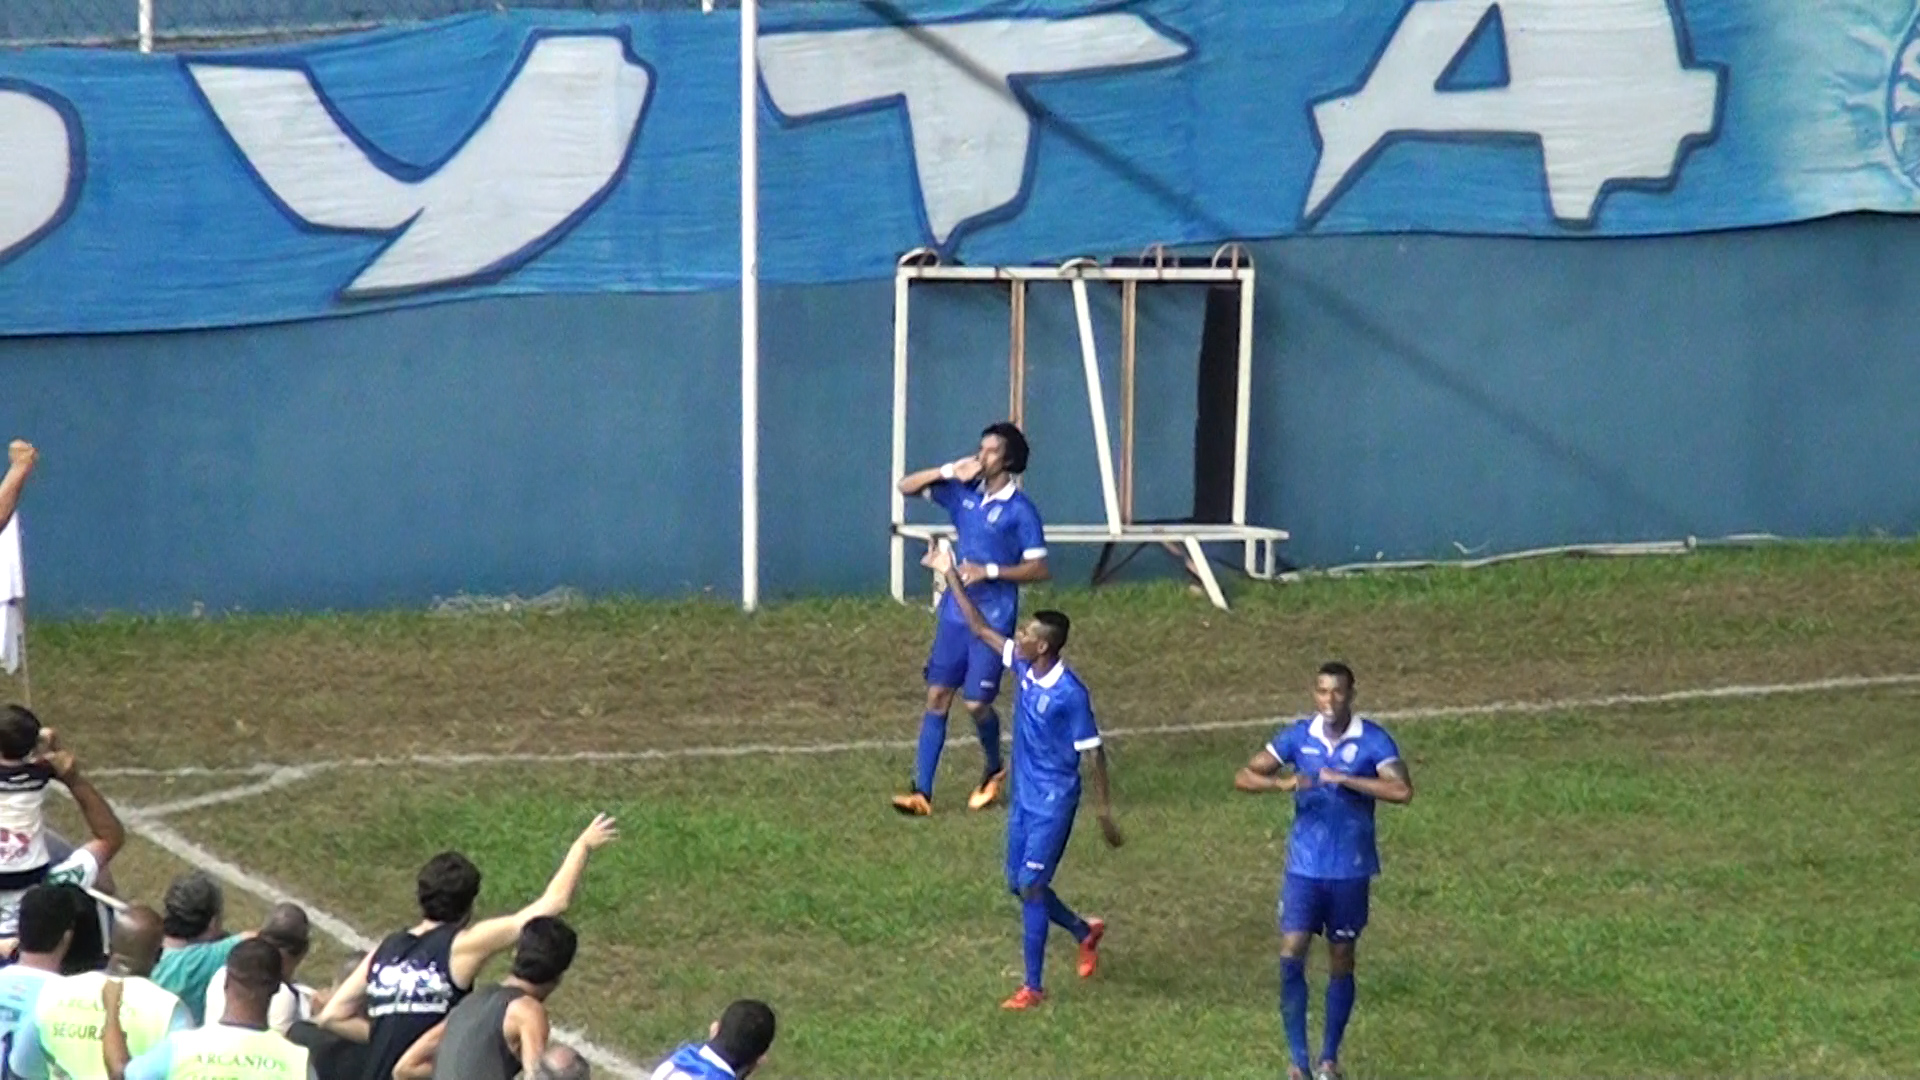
(1340, 994)
(1293, 1008)
(933, 737)
(1064, 918)
(989, 728)
(1033, 918)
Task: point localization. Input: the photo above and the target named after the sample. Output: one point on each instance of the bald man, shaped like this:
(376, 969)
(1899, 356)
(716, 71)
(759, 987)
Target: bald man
(62, 1036)
(563, 1062)
(286, 929)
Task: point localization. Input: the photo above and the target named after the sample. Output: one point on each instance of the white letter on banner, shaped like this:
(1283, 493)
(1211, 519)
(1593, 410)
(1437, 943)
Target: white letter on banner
(970, 133)
(1601, 83)
(554, 141)
(36, 167)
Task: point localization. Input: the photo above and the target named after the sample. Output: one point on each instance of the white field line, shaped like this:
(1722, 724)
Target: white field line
(147, 824)
(164, 837)
(272, 777)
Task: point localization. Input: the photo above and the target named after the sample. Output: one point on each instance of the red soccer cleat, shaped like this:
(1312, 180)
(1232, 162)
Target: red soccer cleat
(1090, 948)
(1024, 998)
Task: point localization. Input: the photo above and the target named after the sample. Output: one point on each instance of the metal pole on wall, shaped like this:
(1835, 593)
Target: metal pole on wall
(749, 308)
(146, 26)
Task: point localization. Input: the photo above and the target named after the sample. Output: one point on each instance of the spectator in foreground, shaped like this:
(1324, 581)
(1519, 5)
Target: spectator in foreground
(416, 976)
(499, 1032)
(62, 1036)
(239, 1040)
(736, 1046)
(46, 930)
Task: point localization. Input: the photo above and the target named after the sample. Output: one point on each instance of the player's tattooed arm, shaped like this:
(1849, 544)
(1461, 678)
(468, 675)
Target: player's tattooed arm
(940, 561)
(1103, 795)
(1265, 773)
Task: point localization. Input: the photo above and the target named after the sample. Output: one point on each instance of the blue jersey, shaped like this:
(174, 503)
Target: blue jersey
(1333, 832)
(19, 993)
(1052, 725)
(693, 1062)
(1002, 528)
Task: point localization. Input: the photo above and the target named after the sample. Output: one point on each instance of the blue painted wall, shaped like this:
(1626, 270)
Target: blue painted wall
(1411, 393)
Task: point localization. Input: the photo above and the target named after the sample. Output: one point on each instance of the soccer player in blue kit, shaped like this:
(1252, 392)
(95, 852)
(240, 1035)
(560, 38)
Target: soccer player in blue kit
(1002, 546)
(1338, 766)
(1053, 730)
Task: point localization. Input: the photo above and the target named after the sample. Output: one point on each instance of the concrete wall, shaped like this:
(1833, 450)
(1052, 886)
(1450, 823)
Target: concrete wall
(1411, 393)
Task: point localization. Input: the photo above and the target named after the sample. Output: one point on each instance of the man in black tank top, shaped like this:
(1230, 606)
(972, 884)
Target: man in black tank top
(413, 979)
(499, 1032)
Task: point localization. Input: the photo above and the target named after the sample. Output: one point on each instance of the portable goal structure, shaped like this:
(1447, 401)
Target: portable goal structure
(1228, 266)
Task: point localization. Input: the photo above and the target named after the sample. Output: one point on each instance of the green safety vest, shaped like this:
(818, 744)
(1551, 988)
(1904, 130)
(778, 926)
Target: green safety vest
(69, 1018)
(224, 1052)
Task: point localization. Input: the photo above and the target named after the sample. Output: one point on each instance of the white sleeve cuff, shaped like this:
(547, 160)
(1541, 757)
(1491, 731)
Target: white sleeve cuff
(1033, 553)
(1383, 764)
(1006, 653)
(1084, 745)
(1274, 749)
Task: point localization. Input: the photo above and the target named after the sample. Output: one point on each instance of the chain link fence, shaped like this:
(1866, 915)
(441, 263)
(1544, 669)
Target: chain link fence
(202, 23)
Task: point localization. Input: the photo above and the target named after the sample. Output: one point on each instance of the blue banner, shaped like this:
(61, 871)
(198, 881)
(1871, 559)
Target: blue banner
(557, 152)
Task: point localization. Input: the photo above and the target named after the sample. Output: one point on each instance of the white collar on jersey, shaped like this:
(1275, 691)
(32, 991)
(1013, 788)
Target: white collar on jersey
(1006, 492)
(1052, 677)
(707, 1053)
(1355, 728)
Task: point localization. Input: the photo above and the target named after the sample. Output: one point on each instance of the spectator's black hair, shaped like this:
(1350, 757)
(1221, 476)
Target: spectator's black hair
(545, 951)
(47, 914)
(254, 965)
(88, 950)
(447, 887)
(19, 732)
(746, 1033)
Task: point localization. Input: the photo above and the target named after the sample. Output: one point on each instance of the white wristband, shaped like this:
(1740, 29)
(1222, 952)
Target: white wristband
(946, 471)
(993, 571)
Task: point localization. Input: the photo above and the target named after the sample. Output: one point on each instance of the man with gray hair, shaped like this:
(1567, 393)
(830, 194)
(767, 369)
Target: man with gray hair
(563, 1062)
(197, 943)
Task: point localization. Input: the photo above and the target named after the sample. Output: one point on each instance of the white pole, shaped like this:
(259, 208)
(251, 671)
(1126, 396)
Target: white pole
(146, 26)
(749, 307)
(897, 557)
(1097, 402)
(1242, 405)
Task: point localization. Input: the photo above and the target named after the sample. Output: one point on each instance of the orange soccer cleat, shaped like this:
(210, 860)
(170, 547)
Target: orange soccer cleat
(1090, 948)
(913, 804)
(989, 790)
(1024, 998)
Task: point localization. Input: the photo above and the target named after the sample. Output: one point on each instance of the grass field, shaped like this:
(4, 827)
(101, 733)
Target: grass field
(1718, 887)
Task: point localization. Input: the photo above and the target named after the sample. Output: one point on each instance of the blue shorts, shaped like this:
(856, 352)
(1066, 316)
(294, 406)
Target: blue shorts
(960, 661)
(1035, 844)
(1335, 908)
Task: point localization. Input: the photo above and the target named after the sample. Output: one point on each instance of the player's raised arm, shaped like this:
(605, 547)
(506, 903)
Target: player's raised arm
(963, 471)
(21, 458)
(940, 561)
